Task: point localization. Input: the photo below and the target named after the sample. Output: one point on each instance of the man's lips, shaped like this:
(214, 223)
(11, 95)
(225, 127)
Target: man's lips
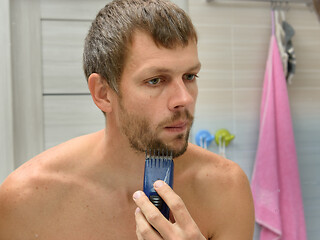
(177, 127)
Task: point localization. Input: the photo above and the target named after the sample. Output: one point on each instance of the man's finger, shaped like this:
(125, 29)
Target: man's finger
(151, 214)
(143, 228)
(175, 203)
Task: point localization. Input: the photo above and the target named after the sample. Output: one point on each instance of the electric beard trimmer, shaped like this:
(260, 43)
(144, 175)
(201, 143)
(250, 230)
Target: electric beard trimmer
(158, 166)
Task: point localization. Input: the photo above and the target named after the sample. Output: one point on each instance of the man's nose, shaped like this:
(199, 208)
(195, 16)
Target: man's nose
(181, 95)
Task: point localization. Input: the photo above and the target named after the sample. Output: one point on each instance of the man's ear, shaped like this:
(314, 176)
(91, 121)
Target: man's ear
(101, 92)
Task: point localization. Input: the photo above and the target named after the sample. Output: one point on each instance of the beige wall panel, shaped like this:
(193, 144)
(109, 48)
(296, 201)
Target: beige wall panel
(216, 63)
(305, 110)
(66, 117)
(62, 43)
(250, 13)
(214, 110)
(27, 84)
(218, 40)
(215, 79)
(204, 13)
(6, 106)
(301, 16)
(249, 43)
(214, 107)
(306, 41)
(303, 78)
(246, 118)
(250, 52)
(71, 9)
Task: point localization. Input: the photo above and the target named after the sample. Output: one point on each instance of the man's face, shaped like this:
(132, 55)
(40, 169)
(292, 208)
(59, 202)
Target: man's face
(158, 94)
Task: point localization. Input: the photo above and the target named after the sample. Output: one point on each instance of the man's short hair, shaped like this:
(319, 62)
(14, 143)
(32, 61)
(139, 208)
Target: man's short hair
(110, 35)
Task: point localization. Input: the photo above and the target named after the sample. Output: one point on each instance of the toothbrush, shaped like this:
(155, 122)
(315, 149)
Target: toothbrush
(158, 166)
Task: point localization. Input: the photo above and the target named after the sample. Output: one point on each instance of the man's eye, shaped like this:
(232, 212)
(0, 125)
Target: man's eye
(190, 77)
(154, 81)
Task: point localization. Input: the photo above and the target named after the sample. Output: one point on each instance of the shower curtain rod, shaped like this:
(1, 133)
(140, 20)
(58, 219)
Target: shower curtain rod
(271, 1)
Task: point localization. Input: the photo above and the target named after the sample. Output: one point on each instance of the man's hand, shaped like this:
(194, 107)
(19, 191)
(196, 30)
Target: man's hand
(149, 218)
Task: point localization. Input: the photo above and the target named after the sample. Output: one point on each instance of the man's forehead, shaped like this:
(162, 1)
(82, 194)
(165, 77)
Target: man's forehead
(144, 53)
(142, 38)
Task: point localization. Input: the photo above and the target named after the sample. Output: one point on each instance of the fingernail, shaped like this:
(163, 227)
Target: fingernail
(138, 210)
(158, 184)
(137, 195)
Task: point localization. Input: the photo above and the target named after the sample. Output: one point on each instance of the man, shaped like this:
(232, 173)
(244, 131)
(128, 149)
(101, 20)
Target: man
(141, 63)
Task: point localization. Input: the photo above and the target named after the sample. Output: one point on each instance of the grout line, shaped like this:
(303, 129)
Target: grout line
(66, 94)
(228, 89)
(265, 26)
(66, 20)
(233, 84)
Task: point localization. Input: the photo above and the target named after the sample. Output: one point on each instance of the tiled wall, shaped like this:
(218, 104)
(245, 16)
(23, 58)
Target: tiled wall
(233, 47)
(68, 107)
(6, 117)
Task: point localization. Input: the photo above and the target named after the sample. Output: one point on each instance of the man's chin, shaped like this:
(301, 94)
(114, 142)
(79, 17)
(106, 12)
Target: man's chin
(178, 145)
(181, 152)
(178, 149)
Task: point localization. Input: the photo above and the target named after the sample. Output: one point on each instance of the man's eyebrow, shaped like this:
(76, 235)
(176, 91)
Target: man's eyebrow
(156, 69)
(196, 67)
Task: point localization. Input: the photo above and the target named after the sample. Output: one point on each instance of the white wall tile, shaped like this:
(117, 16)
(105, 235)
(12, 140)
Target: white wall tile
(215, 53)
(205, 13)
(301, 16)
(71, 9)
(6, 105)
(306, 43)
(305, 79)
(66, 117)
(246, 117)
(305, 111)
(250, 13)
(215, 79)
(250, 51)
(62, 48)
(214, 110)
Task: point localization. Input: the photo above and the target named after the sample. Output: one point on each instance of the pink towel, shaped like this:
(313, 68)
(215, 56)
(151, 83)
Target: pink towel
(275, 181)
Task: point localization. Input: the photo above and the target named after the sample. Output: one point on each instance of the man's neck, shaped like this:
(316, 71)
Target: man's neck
(119, 162)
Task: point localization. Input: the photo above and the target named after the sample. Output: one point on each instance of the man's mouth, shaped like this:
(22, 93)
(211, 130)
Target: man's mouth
(177, 127)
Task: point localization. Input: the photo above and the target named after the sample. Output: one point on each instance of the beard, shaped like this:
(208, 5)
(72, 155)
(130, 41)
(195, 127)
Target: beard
(143, 137)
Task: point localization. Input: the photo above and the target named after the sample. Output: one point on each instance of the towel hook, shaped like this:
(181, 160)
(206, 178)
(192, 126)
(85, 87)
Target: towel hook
(223, 136)
(204, 138)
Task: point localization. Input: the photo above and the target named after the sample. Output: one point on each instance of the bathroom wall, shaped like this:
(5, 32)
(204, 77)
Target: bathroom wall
(233, 47)
(6, 130)
(68, 107)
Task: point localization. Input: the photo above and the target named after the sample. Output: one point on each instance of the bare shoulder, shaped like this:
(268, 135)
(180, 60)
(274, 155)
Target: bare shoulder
(32, 190)
(20, 199)
(225, 192)
(211, 168)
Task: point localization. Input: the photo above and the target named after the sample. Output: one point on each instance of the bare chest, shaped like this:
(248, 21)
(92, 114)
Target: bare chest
(86, 216)
(94, 214)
